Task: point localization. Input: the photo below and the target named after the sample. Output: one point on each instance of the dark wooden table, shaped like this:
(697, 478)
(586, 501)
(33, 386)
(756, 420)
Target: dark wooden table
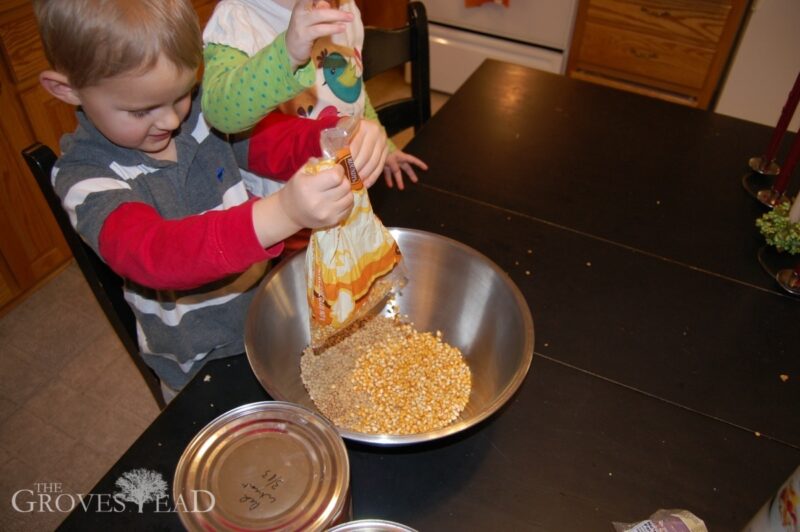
(660, 342)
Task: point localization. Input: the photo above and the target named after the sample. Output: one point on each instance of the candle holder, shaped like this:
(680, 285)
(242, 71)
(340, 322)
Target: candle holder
(770, 196)
(776, 194)
(782, 267)
(789, 279)
(758, 164)
(761, 178)
(761, 183)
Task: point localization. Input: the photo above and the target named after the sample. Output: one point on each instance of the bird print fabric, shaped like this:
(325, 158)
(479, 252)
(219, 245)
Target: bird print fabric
(339, 87)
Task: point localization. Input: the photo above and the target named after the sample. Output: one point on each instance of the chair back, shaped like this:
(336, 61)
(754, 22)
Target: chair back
(106, 285)
(389, 48)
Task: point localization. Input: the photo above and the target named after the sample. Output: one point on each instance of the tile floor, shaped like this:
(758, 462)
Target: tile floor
(71, 400)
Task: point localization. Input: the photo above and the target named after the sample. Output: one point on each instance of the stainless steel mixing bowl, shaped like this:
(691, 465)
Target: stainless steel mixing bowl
(452, 288)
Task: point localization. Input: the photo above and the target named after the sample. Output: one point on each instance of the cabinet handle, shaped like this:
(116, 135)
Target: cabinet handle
(643, 54)
(661, 13)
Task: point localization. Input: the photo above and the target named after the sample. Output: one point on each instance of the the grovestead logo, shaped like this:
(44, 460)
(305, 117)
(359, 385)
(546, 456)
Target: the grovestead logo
(141, 486)
(138, 486)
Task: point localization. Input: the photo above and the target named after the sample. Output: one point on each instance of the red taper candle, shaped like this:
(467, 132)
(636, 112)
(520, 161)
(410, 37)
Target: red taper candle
(783, 122)
(788, 167)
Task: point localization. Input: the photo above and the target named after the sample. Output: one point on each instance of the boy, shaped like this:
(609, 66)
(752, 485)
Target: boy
(153, 190)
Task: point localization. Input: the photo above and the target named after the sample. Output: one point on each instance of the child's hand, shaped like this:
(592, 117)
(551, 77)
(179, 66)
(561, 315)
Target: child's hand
(369, 151)
(317, 200)
(398, 162)
(311, 20)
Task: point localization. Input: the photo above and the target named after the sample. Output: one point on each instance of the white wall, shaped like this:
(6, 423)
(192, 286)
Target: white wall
(766, 64)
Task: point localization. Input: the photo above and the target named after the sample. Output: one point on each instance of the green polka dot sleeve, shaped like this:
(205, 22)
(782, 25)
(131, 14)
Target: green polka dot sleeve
(239, 90)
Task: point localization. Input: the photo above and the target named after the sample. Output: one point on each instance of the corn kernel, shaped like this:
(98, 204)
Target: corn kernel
(390, 378)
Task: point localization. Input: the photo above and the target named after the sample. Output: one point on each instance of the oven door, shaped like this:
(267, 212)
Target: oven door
(534, 33)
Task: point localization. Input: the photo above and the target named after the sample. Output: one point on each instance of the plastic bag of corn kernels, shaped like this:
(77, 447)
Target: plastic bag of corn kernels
(665, 521)
(351, 268)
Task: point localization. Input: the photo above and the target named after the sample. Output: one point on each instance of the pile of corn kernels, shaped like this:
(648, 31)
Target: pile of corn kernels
(385, 377)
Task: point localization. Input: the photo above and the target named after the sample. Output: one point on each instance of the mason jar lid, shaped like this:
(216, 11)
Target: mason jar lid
(371, 525)
(267, 465)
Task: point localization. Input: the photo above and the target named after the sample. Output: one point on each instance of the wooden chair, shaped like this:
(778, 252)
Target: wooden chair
(105, 284)
(389, 48)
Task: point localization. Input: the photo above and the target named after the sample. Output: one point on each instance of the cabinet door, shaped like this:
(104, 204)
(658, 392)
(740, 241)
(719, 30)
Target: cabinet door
(6, 292)
(49, 117)
(675, 50)
(8, 285)
(31, 241)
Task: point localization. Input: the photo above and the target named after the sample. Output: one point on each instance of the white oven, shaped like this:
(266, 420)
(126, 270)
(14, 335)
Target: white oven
(533, 33)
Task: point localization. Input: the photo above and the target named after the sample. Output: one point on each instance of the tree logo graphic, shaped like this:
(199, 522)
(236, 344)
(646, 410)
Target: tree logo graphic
(141, 486)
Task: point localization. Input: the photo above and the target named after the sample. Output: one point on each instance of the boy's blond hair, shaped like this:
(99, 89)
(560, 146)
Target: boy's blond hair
(90, 40)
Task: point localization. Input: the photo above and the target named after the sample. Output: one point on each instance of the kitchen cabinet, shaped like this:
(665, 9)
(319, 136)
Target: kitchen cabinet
(6, 293)
(31, 246)
(676, 50)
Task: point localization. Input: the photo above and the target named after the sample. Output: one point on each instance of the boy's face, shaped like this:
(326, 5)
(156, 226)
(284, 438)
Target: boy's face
(141, 110)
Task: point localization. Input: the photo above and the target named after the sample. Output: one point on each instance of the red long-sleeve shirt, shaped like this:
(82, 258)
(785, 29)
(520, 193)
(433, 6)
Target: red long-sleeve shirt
(139, 244)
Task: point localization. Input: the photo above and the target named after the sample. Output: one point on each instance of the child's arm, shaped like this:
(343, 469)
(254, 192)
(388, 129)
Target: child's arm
(137, 242)
(319, 200)
(140, 245)
(238, 90)
(281, 144)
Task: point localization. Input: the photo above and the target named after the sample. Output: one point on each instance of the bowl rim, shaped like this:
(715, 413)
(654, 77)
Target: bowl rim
(396, 440)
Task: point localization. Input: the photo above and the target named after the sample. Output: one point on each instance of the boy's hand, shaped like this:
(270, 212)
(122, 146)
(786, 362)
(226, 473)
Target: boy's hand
(398, 162)
(318, 200)
(369, 150)
(311, 20)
